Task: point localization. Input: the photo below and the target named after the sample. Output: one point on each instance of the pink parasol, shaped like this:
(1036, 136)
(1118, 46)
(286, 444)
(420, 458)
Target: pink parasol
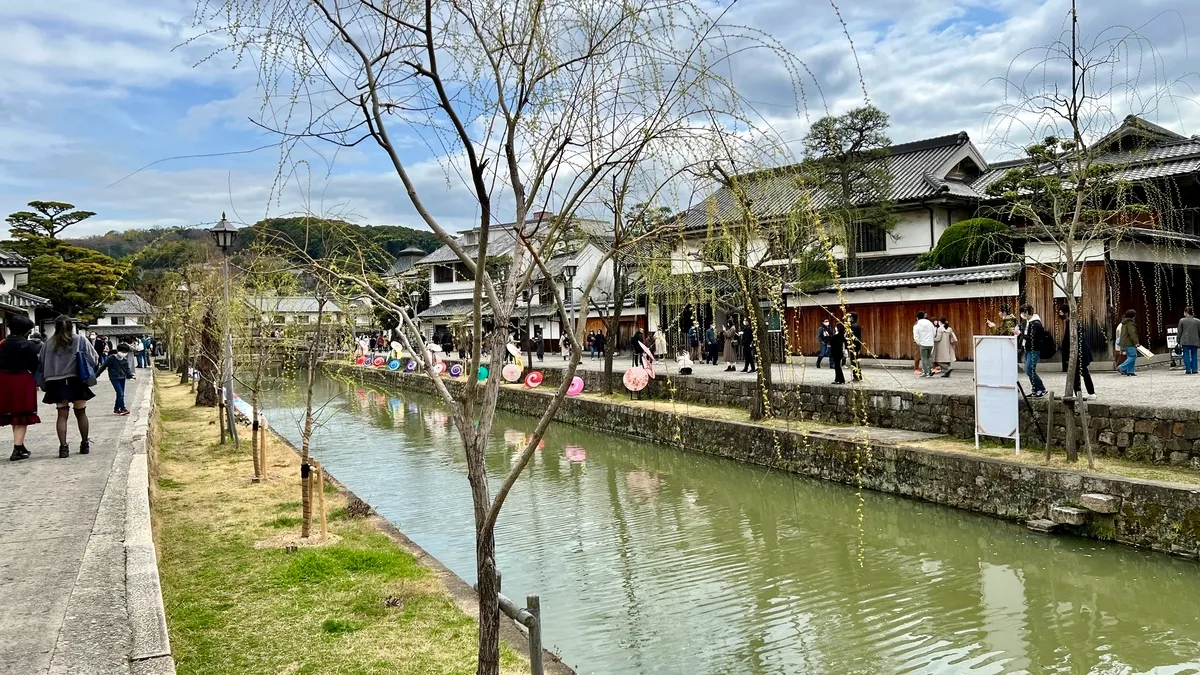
(636, 378)
(533, 379)
(576, 387)
(379, 361)
(511, 372)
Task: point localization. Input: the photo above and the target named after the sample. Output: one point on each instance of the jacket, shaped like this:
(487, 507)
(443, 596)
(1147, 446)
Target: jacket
(60, 364)
(924, 332)
(823, 334)
(837, 343)
(1128, 332)
(943, 348)
(117, 366)
(1085, 349)
(19, 355)
(1189, 331)
(1033, 334)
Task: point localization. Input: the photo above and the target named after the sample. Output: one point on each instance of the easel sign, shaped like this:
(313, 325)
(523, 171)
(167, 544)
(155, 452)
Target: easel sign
(996, 412)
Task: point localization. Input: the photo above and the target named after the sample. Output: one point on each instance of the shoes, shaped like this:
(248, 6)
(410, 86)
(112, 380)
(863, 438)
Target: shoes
(1088, 397)
(123, 412)
(117, 411)
(1038, 394)
(19, 452)
(947, 373)
(64, 451)
(84, 447)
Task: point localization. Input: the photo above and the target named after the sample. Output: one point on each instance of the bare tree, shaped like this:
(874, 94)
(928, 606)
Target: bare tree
(1069, 196)
(539, 105)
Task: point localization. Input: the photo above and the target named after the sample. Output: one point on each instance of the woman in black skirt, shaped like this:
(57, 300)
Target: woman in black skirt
(60, 380)
(18, 390)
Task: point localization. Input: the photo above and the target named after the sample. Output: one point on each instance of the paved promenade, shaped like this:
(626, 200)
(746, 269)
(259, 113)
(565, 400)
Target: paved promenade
(1153, 387)
(79, 586)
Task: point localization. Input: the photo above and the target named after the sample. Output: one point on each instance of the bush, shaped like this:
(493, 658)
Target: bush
(977, 241)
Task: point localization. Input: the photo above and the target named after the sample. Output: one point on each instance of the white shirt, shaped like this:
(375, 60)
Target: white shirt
(924, 332)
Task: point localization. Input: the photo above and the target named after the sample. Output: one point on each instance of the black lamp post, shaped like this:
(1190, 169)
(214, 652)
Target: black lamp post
(569, 291)
(223, 234)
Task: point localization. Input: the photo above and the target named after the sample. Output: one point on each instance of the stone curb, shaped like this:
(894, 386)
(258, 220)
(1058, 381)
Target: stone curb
(150, 650)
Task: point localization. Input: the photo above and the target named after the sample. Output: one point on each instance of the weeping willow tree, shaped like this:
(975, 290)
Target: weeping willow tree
(539, 106)
(1075, 194)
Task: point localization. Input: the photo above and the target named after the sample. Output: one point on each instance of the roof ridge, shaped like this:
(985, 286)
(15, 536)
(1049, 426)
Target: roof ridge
(959, 138)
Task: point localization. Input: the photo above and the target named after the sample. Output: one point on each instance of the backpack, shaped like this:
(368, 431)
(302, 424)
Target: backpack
(1047, 347)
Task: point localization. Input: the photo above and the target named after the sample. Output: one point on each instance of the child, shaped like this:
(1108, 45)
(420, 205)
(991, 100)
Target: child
(118, 371)
(685, 363)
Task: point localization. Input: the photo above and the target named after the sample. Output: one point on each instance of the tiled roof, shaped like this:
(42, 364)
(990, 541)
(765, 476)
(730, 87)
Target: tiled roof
(962, 275)
(128, 302)
(449, 309)
(775, 193)
(23, 299)
(11, 259)
(502, 240)
(290, 304)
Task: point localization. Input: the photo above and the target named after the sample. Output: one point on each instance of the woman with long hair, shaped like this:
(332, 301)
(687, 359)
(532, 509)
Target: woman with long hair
(60, 380)
(18, 389)
(944, 342)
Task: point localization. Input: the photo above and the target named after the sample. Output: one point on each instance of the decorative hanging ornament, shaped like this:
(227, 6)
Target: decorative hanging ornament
(379, 361)
(533, 379)
(636, 378)
(410, 366)
(394, 364)
(576, 387)
(456, 370)
(481, 374)
(511, 372)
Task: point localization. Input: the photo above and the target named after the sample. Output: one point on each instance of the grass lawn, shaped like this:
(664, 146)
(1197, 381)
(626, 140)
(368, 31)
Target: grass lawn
(360, 605)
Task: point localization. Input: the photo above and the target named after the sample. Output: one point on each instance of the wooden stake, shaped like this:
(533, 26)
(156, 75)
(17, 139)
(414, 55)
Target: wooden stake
(321, 499)
(262, 447)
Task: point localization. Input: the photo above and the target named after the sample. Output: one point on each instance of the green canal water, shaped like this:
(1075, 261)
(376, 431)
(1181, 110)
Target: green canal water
(651, 560)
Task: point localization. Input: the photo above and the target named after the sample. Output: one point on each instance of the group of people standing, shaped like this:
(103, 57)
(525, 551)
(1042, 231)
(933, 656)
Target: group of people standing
(841, 342)
(936, 341)
(65, 367)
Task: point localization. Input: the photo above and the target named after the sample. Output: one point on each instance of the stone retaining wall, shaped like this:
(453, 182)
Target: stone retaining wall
(1159, 516)
(1159, 435)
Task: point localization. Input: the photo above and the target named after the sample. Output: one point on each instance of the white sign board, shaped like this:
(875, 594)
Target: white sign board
(996, 412)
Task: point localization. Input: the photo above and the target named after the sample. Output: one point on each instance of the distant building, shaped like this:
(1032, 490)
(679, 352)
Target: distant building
(293, 310)
(128, 315)
(14, 273)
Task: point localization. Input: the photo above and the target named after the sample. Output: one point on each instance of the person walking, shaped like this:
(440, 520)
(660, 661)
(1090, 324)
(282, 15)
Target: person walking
(599, 342)
(118, 371)
(18, 388)
(747, 343)
(823, 335)
(660, 344)
(635, 345)
(854, 346)
(1034, 336)
(729, 354)
(1127, 340)
(61, 381)
(836, 342)
(591, 345)
(1067, 346)
(1189, 339)
(139, 352)
(710, 345)
(924, 335)
(540, 343)
(944, 342)
(694, 343)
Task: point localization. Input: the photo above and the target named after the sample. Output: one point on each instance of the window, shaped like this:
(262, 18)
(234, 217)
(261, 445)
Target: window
(870, 239)
(461, 273)
(118, 321)
(277, 319)
(301, 318)
(443, 274)
(545, 293)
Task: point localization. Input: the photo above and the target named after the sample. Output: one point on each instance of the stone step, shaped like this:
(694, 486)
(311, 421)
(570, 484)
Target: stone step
(1100, 503)
(1069, 515)
(1042, 525)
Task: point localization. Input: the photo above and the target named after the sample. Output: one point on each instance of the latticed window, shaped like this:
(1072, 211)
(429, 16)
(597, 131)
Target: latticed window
(443, 274)
(871, 238)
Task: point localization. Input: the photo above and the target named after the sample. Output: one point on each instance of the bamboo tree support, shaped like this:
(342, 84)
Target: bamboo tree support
(321, 499)
(1049, 422)
(255, 437)
(262, 447)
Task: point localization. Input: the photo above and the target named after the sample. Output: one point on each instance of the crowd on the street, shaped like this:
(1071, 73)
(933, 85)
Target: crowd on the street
(65, 367)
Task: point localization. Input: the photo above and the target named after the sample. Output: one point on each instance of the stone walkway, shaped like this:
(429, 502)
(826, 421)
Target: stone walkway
(1153, 387)
(78, 584)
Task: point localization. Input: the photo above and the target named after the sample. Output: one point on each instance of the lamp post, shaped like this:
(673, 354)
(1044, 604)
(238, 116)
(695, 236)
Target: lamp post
(569, 274)
(223, 234)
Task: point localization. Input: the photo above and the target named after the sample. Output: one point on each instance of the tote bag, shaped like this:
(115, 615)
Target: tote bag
(83, 369)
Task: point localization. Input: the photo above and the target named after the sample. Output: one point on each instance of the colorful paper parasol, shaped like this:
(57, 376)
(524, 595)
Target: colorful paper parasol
(533, 379)
(649, 354)
(410, 366)
(511, 372)
(439, 368)
(456, 370)
(433, 347)
(394, 364)
(379, 361)
(397, 347)
(482, 373)
(576, 387)
(636, 378)
(360, 360)
(513, 349)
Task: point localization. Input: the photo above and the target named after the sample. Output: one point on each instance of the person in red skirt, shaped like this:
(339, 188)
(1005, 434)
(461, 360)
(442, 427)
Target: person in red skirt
(18, 391)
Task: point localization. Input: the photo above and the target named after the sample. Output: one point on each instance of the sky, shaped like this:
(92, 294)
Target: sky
(126, 107)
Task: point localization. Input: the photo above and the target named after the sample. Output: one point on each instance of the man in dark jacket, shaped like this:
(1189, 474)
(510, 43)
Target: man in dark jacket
(747, 342)
(1189, 340)
(635, 344)
(1033, 335)
(1067, 347)
(854, 345)
(823, 334)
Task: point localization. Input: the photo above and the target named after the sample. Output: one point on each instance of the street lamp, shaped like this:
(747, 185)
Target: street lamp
(223, 234)
(569, 274)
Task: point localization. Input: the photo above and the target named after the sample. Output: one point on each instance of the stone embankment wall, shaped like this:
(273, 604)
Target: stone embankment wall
(1158, 435)
(1148, 514)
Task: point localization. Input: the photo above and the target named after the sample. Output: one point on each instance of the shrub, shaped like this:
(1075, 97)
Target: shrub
(977, 241)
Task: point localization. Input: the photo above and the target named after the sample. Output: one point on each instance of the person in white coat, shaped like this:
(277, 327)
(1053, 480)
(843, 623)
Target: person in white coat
(924, 334)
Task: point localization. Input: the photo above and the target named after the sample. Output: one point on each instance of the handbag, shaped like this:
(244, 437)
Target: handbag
(84, 370)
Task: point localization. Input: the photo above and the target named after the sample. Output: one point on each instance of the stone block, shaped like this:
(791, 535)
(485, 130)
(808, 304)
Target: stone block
(1123, 425)
(1107, 438)
(1179, 458)
(1042, 525)
(1144, 426)
(1100, 503)
(1069, 515)
(1122, 440)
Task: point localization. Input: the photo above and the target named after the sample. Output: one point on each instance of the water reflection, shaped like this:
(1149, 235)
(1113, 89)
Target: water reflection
(655, 561)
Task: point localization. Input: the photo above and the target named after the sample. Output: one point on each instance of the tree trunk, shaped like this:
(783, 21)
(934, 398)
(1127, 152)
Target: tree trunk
(760, 407)
(614, 327)
(254, 433)
(210, 352)
(489, 604)
(306, 436)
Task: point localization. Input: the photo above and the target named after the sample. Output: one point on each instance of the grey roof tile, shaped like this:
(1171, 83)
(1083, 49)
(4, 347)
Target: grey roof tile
(128, 302)
(962, 275)
(12, 259)
(290, 304)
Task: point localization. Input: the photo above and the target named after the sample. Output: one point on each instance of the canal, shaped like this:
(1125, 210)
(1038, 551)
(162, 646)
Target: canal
(651, 560)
